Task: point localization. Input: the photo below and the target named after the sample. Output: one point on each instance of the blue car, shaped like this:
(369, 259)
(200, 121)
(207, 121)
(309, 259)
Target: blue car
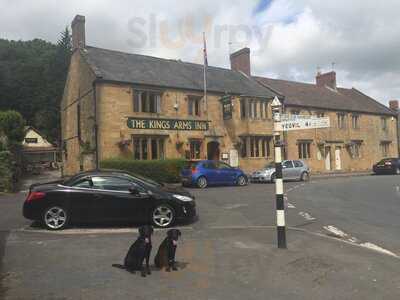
(210, 172)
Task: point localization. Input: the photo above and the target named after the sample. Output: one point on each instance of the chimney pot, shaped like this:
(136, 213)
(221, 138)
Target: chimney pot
(78, 32)
(327, 79)
(240, 61)
(394, 104)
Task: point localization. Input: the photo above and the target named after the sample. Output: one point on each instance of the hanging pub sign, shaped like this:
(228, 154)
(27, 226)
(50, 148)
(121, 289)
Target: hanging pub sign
(167, 124)
(226, 107)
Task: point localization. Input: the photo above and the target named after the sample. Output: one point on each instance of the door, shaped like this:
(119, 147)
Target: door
(83, 199)
(328, 158)
(213, 151)
(338, 161)
(211, 172)
(288, 170)
(117, 202)
(226, 174)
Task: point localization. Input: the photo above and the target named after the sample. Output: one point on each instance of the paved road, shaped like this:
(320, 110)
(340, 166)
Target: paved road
(367, 208)
(230, 252)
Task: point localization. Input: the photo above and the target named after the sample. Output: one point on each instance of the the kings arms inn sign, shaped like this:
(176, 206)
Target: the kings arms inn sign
(167, 124)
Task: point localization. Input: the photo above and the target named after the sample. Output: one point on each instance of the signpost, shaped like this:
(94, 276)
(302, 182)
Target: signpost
(298, 122)
(287, 123)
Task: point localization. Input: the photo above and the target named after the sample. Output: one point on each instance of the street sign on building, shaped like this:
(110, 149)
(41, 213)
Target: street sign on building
(298, 122)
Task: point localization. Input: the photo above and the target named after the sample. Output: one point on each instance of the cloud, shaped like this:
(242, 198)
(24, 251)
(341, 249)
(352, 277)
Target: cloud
(289, 38)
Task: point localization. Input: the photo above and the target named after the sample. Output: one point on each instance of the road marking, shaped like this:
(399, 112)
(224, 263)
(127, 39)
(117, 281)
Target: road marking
(232, 206)
(307, 216)
(343, 235)
(290, 205)
(336, 231)
(377, 248)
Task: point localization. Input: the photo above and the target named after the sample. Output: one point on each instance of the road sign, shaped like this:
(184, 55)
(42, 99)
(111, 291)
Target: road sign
(298, 122)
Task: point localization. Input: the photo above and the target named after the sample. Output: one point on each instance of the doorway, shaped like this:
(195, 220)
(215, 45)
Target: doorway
(338, 161)
(213, 150)
(328, 158)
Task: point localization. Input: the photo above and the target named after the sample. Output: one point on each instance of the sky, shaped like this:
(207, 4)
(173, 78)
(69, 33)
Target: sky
(289, 39)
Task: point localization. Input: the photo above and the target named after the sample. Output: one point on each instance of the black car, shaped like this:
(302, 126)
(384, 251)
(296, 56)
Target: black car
(387, 166)
(100, 196)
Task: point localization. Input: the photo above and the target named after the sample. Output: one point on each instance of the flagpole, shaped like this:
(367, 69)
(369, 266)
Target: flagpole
(205, 74)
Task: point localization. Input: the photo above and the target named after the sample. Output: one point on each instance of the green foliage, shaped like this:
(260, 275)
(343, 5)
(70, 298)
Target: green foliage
(167, 170)
(12, 126)
(32, 79)
(6, 171)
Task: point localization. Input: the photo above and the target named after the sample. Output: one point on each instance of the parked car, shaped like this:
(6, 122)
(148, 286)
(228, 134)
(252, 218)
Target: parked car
(387, 166)
(209, 172)
(107, 196)
(291, 170)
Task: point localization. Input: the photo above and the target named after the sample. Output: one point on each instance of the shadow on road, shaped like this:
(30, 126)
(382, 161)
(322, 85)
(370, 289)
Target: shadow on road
(3, 239)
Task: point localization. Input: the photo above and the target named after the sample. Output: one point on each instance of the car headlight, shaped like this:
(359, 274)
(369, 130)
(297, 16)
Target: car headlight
(183, 198)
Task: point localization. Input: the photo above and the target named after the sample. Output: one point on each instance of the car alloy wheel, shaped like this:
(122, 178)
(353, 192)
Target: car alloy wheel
(163, 216)
(202, 182)
(305, 176)
(55, 218)
(241, 181)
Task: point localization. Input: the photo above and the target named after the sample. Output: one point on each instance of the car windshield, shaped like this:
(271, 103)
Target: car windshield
(385, 160)
(270, 165)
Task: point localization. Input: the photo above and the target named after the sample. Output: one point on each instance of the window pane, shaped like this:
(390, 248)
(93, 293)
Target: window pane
(136, 149)
(143, 101)
(144, 149)
(190, 107)
(161, 147)
(136, 98)
(154, 151)
(111, 183)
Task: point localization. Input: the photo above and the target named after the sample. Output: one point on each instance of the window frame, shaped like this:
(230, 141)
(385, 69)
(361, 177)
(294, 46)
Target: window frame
(304, 150)
(144, 143)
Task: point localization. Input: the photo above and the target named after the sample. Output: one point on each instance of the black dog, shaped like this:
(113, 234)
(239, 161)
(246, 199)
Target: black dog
(138, 252)
(166, 252)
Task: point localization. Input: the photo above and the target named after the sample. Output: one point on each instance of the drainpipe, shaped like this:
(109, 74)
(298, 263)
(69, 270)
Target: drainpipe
(96, 127)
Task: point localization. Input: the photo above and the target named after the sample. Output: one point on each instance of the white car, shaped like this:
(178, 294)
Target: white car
(291, 170)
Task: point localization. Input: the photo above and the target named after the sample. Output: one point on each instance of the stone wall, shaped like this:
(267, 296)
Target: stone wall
(78, 93)
(370, 132)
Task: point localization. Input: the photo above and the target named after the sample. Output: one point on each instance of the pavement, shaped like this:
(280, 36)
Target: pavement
(341, 245)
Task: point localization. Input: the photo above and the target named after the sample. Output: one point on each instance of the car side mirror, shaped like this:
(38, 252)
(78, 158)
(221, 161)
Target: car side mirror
(284, 167)
(133, 190)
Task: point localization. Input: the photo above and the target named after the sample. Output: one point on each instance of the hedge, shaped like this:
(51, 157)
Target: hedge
(167, 170)
(6, 171)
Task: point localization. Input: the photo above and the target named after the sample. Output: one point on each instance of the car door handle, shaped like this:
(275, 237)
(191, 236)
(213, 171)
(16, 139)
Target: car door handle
(97, 196)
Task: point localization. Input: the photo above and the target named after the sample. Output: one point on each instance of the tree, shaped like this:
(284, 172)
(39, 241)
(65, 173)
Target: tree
(12, 126)
(32, 79)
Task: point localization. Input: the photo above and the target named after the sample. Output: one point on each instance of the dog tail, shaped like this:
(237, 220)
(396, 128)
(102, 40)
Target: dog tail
(119, 266)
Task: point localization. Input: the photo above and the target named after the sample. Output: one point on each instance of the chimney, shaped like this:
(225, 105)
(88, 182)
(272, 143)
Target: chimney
(394, 105)
(78, 32)
(327, 79)
(240, 61)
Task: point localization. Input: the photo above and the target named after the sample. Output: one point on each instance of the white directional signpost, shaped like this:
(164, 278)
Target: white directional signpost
(298, 122)
(287, 123)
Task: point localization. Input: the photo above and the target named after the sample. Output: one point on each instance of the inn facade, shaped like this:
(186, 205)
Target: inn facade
(117, 104)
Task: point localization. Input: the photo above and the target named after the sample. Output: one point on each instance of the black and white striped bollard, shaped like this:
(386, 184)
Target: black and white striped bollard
(280, 204)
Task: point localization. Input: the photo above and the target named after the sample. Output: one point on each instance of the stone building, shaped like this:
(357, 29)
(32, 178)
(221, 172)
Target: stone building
(119, 104)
